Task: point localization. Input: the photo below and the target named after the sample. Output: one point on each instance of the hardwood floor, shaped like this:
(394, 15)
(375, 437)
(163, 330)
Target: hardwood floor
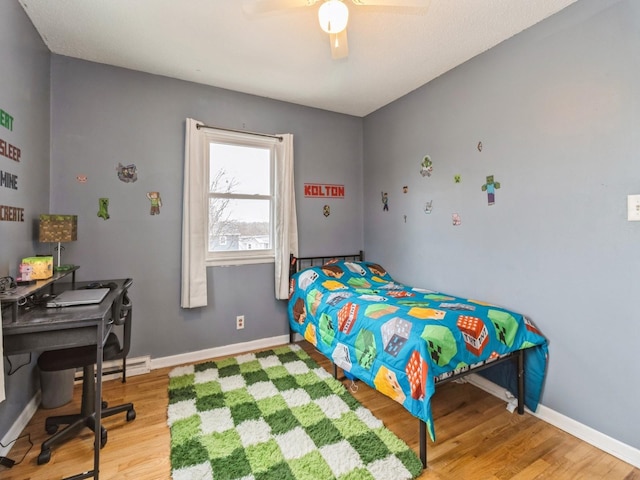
(477, 438)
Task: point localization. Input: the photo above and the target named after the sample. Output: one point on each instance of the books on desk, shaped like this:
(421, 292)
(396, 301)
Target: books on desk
(70, 298)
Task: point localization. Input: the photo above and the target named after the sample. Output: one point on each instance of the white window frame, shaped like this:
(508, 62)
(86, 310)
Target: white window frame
(241, 257)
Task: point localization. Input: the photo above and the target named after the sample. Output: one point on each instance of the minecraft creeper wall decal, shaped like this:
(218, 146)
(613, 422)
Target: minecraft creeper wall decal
(490, 187)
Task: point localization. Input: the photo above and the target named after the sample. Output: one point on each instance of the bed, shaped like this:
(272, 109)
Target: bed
(403, 340)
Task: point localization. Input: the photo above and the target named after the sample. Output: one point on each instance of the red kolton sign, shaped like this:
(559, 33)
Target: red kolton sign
(323, 190)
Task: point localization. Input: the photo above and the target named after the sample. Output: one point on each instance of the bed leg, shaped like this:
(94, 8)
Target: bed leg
(335, 371)
(521, 382)
(423, 443)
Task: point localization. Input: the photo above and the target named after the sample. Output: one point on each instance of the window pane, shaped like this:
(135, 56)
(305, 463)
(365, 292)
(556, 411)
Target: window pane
(238, 169)
(238, 224)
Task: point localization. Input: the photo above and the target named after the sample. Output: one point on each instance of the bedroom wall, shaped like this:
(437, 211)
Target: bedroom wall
(556, 109)
(102, 116)
(24, 95)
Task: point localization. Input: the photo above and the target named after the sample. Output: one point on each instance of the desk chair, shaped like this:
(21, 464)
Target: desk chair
(85, 357)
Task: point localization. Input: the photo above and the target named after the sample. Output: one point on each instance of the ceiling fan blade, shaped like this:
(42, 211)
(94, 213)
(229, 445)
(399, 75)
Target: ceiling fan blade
(339, 45)
(252, 7)
(394, 3)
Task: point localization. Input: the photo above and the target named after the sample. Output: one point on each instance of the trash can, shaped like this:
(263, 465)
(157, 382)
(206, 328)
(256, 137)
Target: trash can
(57, 387)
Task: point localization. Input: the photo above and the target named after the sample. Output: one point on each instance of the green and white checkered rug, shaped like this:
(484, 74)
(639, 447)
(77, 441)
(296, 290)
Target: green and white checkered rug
(276, 415)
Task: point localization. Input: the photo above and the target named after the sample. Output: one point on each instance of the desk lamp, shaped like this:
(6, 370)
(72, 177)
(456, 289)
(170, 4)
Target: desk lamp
(58, 229)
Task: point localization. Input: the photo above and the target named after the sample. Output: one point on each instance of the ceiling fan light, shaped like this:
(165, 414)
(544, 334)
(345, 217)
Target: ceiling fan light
(333, 16)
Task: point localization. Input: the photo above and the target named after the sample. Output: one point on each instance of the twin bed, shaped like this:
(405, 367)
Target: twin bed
(403, 340)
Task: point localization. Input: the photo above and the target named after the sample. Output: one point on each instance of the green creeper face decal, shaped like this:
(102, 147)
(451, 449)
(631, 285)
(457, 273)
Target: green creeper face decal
(327, 332)
(506, 326)
(365, 349)
(440, 342)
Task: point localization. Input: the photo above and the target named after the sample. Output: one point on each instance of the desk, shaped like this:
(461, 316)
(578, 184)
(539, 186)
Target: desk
(44, 328)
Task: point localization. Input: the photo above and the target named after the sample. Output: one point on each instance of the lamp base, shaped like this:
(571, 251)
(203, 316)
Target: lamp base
(63, 268)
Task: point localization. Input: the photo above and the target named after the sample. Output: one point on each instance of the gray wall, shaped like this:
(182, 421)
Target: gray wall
(103, 115)
(24, 94)
(557, 111)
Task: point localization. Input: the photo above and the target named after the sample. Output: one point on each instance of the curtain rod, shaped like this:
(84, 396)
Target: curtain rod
(199, 126)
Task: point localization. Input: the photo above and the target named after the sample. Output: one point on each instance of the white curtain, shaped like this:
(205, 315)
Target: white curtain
(194, 216)
(286, 235)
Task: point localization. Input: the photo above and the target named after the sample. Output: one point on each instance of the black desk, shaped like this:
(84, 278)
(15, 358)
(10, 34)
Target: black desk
(44, 328)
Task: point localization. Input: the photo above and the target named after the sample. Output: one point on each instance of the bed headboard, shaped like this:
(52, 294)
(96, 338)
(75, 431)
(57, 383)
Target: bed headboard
(299, 263)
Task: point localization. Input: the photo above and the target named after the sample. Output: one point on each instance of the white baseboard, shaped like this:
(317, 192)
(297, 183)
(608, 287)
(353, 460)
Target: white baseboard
(20, 424)
(209, 353)
(620, 450)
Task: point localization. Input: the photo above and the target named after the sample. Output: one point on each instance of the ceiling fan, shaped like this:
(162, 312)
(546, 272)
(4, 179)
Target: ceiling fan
(333, 15)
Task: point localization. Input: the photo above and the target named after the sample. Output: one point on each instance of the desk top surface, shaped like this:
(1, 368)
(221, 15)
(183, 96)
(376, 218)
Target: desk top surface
(39, 318)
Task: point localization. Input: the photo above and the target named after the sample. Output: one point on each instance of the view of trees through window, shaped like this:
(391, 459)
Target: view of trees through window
(240, 199)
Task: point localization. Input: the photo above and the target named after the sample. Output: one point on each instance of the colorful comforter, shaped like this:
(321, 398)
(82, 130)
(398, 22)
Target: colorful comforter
(400, 339)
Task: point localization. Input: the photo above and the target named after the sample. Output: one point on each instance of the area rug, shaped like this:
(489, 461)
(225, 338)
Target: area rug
(276, 415)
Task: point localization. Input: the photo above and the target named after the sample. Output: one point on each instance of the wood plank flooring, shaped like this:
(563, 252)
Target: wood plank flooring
(477, 438)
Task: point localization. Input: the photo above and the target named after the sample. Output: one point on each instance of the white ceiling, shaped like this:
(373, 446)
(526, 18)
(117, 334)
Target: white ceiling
(284, 55)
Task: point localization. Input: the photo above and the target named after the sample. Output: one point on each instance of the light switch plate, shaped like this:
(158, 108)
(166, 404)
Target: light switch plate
(633, 208)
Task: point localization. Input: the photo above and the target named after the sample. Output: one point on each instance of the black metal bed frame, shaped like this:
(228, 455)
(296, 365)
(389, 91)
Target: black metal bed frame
(517, 356)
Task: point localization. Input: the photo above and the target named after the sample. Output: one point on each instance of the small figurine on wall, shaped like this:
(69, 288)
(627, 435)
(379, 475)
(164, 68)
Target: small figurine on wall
(405, 189)
(426, 167)
(428, 207)
(455, 218)
(103, 204)
(457, 178)
(128, 174)
(385, 202)
(326, 210)
(156, 202)
(490, 187)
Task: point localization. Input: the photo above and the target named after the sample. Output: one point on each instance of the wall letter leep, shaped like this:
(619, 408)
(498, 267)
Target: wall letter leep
(9, 151)
(6, 120)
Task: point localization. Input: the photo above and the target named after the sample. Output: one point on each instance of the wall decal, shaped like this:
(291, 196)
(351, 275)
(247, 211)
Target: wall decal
(103, 208)
(8, 180)
(326, 210)
(479, 146)
(456, 219)
(128, 174)
(405, 219)
(81, 178)
(457, 178)
(11, 214)
(321, 190)
(490, 187)
(6, 120)
(405, 189)
(385, 201)
(426, 167)
(10, 151)
(156, 202)
(428, 207)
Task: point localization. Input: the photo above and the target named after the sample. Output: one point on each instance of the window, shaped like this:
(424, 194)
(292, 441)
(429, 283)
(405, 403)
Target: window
(240, 224)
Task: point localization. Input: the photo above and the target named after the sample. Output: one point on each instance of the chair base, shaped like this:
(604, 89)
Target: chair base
(86, 418)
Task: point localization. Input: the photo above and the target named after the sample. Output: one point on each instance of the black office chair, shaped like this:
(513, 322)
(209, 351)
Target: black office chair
(85, 357)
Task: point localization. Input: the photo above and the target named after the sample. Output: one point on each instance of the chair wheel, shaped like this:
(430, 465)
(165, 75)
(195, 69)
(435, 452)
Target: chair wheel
(103, 437)
(44, 457)
(51, 429)
(131, 415)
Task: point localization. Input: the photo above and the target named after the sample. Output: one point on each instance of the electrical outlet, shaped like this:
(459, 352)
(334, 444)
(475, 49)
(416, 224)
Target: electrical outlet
(239, 322)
